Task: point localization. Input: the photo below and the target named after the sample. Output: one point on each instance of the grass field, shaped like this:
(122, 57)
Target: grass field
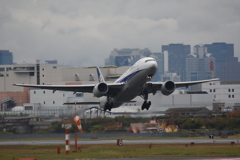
(114, 151)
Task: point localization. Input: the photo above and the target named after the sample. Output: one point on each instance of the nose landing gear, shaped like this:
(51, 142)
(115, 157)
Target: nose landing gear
(146, 104)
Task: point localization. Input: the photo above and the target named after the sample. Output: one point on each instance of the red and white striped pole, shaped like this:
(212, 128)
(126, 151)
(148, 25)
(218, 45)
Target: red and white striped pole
(67, 137)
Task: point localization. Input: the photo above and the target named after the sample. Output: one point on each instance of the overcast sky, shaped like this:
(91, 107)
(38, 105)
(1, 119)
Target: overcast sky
(85, 32)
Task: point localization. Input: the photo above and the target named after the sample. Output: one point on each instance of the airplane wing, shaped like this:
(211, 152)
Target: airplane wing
(80, 103)
(73, 88)
(91, 103)
(152, 87)
(113, 87)
(190, 83)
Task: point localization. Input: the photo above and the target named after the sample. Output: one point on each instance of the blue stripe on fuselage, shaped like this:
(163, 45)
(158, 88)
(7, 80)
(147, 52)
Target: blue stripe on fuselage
(128, 77)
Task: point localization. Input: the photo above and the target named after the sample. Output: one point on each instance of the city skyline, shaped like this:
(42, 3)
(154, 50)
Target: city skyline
(79, 32)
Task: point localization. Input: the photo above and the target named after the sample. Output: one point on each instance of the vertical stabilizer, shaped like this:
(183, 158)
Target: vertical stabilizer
(100, 76)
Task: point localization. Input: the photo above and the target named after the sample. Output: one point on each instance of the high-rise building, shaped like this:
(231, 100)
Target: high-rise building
(221, 51)
(159, 57)
(177, 58)
(6, 57)
(231, 70)
(51, 62)
(200, 65)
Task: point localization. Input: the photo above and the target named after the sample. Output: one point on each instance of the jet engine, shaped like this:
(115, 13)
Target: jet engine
(100, 89)
(168, 88)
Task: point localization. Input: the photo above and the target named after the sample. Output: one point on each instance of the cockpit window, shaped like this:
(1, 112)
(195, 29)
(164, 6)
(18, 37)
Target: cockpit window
(149, 60)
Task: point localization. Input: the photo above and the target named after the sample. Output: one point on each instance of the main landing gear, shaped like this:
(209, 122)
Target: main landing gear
(146, 104)
(108, 106)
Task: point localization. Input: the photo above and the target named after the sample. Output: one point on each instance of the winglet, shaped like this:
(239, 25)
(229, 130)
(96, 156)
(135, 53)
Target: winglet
(100, 76)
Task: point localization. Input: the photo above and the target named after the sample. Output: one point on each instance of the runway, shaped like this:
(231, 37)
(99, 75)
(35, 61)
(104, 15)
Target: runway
(125, 141)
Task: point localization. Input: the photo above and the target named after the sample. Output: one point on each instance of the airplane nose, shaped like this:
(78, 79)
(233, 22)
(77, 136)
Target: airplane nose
(154, 64)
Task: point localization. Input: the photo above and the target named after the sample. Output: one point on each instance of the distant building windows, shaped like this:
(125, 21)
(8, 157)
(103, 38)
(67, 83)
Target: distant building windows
(31, 74)
(232, 90)
(53, 102)
(229, 90)
(34, 92)
(229, 96)
(2, 69)
(63, 95)
(29, 108)
(214, 90)
(210, 83)
(79, 94)
(43, 92)
(44, 102)
(232, 96)
(43, 75)
(210, 90)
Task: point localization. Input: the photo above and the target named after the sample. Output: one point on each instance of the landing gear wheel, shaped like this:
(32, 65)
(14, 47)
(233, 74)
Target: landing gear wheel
(108, 106)
(144, 105)
(148, 105)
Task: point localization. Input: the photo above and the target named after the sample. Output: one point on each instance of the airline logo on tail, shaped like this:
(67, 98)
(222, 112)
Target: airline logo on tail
(100, 76)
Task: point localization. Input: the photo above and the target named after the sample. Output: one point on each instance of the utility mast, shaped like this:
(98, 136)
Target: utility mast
(211, 69)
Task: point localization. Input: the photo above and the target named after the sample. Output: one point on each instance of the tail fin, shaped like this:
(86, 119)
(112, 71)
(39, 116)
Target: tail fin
(100, 76)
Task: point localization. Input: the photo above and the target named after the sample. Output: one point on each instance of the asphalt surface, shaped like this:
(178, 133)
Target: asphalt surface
(127, 141)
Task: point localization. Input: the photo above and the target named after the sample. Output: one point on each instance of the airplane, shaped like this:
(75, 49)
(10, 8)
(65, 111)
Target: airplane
(132, 83)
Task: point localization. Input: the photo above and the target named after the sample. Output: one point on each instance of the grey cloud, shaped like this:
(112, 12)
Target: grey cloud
(76, 31)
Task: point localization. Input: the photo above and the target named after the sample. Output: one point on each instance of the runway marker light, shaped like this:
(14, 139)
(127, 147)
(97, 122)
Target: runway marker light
(150, 146)
(119, 142)
(58, 150)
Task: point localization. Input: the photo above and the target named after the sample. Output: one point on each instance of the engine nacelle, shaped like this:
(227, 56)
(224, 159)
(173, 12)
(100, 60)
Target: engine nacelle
(168, 88)
(100, 89)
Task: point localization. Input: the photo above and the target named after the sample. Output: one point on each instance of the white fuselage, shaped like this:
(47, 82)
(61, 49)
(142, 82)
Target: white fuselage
(134, 80)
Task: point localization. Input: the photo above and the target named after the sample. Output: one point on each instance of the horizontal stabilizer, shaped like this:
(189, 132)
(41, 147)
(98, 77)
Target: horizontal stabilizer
(86, 103)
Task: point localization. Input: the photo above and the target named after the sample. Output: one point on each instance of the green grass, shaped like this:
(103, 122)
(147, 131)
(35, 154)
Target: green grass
(114, 151)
